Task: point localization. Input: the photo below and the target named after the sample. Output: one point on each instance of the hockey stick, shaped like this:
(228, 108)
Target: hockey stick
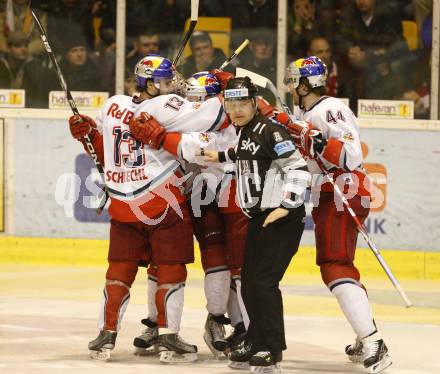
(72, 104)
(363, 231)
(192, 25)
(235, 54)
(259, 80)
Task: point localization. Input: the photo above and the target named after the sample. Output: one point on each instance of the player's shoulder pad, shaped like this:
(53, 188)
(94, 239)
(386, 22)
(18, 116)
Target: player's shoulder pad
(115, 102)
(163, 98)
(117, 99)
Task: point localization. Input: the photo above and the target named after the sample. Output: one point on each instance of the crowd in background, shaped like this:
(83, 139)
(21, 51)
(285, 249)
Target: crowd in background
(361, 41)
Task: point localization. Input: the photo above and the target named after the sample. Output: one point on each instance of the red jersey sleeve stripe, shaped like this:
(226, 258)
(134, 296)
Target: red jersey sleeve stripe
(333, 151)
(171, 143)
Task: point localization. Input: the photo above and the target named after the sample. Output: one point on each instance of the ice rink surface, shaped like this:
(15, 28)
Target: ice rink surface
(48, 314)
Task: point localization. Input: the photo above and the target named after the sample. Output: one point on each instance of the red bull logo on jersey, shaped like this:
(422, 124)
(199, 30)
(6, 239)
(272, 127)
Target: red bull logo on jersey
(125, 176)
(205, 137)
(115, 112)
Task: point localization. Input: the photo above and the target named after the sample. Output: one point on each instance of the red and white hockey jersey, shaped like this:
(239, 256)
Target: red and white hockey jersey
(133, 170)
(343, 152)
(218, 176)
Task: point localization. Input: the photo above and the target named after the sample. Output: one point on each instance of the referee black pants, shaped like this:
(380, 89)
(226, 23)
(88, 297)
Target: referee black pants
(268, 253)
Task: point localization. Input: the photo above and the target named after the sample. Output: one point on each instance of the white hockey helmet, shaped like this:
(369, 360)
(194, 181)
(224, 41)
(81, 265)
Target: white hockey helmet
(201, 86)
(311, 68)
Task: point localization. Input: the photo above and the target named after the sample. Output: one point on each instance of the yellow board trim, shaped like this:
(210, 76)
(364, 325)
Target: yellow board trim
(2, 179)
(88, 252)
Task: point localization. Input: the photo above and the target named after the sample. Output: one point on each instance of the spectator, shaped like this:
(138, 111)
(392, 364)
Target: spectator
(38, 79)
(249, 15)
(100, 17)
(383, 83)
(372, 30)
(419, 88)
(204, 56)
(320, 47)
(163, 16)
(105, 57)
(78, 69)
(422, 9)
(147, 42)
(67, 18)
(13, 63)
(370, 35)
(16, 16)
(261, 60)
(302, 26)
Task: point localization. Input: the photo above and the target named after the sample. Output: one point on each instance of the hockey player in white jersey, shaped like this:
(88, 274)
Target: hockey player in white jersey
(219, 225)
(187, 146)
(328, 130)
(150, 219)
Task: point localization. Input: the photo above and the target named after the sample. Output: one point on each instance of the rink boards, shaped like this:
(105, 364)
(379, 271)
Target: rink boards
(46, 195)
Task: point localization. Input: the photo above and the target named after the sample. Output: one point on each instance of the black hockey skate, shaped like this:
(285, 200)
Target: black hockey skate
(148, 338)
(266, 362)
(239, 358)
(375, 354)
(174, 350)
(354, 351)
(237, 336)
(101, 347)
(214, 335)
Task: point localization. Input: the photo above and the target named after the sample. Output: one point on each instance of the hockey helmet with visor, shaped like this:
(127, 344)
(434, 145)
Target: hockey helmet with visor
(310, 68)
(153, 67)
(201, 86)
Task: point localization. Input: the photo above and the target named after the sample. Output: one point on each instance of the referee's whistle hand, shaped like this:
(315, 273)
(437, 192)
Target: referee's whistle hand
(275, 215)
(209, 156)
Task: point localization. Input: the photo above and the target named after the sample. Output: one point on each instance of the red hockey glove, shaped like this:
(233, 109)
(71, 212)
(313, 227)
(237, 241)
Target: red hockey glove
(81, 125)
(282, 118)
(307, 137)
(271, 112)
(264, 107)
(222, 76)
(147, 130)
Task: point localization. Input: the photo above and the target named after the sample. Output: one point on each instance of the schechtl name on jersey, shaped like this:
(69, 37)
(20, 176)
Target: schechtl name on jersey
(115, 112)
(125, 176)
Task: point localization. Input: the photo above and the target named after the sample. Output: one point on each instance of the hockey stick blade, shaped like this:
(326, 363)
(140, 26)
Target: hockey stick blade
(192, 26)
(257, 79)
(235, 54)
(264, 82)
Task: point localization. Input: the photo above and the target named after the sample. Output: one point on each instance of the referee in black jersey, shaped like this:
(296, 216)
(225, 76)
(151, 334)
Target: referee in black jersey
(271, 181)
